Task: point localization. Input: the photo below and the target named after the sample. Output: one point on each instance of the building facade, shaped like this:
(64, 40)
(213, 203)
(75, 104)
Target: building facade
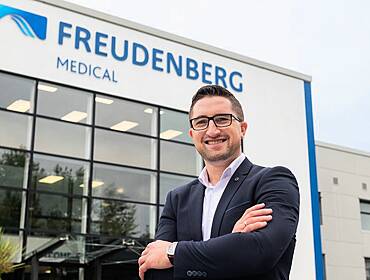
(94, 133)
(344, 187)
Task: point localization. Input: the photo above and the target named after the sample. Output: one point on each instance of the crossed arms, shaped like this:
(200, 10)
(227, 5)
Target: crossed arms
(260, 246)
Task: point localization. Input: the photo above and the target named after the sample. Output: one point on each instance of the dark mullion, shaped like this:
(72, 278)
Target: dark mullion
(27, 225)
(126, 132)
(60, 156)
(16, 112)
(51, 118)
(15, 149)
(158, 167)
(124, 166)
(178, 142)
(92, 146)
(65, 195)
(124, 201)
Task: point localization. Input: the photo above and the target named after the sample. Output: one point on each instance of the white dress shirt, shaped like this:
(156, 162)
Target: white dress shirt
(213, 193)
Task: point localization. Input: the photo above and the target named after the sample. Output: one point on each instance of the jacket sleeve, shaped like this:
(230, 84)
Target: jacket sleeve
(166, 231)
(241, 254)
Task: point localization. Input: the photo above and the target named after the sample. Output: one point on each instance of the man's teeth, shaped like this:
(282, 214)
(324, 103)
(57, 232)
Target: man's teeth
(215, 141)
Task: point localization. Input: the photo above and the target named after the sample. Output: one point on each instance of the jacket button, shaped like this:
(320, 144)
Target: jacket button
(236, 179)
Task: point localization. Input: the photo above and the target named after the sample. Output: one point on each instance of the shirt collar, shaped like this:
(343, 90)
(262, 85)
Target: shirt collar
(228, 172)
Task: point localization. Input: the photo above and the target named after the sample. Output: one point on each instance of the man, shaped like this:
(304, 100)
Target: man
(203, 233)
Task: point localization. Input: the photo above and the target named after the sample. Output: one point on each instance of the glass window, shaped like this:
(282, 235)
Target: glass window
(59, 175)
(125, 115)
(175, 126)
(64, 103)
(180, 158)
(365, 214)
(367, 267)
(169, 182)
(10, 208)
(13, 168)
(62, 138)
(123, 219)
(125, 149)
(16, 93)
(55, 213)
(124, 183)
(15, 130)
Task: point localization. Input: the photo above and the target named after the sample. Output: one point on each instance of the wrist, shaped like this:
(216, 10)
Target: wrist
(171, 252)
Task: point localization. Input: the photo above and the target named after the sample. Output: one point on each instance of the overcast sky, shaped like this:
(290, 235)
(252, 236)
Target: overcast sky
(329, 40)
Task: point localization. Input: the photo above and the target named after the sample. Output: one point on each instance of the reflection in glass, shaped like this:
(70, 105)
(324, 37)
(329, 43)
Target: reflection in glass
(64, 103)
(13, 167)
(125, 149)
(170, 182)
(62, 138)
(59, 175)
(120, 218)
(175, 126)
(55, 213)
(125, 115)
(15, 130)
(10, 208)
(179, 158)
(124, 183)
(16, 93)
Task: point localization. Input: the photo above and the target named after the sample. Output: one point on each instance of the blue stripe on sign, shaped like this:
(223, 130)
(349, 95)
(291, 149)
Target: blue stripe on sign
(313, 180)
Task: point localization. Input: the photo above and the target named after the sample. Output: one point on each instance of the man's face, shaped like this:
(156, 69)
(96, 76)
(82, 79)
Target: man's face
(217, 144)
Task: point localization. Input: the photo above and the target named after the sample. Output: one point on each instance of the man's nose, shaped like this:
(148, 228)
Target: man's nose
(212, 128)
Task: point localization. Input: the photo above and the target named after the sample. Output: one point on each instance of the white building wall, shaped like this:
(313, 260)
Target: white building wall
(345, 244)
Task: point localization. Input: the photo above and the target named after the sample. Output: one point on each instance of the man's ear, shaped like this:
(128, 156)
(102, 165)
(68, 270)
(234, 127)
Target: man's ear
(191, 133)
(243, 127)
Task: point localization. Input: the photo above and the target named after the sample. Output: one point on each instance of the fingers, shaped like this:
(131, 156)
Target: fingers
(254, 226)
(142, 267)
(255, 207)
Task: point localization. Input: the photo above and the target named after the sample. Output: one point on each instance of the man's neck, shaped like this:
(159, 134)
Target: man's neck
(215, 169)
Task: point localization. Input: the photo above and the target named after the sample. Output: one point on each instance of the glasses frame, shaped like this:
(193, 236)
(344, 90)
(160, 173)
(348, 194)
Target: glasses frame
(231, 116)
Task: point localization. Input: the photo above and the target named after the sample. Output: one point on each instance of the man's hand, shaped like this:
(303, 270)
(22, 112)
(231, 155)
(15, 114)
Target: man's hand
(154, 256)
(254, 218)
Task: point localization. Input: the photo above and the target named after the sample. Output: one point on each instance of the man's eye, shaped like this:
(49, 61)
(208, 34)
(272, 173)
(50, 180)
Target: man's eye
(200, 122)
(222, 119)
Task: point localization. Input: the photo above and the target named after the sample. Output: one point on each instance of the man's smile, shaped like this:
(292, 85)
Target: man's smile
(215, 141)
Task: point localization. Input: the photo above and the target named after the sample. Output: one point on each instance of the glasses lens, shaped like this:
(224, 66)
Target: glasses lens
(200, 123)
(223, 120)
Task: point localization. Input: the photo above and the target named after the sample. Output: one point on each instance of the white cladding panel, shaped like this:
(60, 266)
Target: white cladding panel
(274, 103)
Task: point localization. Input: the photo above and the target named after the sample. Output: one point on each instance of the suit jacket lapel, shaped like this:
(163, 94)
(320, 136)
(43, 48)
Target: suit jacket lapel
(235, 181)
(196, 211)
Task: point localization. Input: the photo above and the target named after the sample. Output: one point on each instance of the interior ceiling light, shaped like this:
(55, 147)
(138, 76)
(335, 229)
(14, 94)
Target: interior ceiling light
(95, 184)
(74, 116)
(169, 134)
(124, 125)
(104, 100)
(148, 110)
(51, 179)
(47, 88)
(120, 190)
(20, 105)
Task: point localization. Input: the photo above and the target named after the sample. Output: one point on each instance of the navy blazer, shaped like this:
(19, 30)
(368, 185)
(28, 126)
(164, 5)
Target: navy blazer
(263, 254)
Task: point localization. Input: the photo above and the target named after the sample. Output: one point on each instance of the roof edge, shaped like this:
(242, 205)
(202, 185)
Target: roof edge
(341, 148)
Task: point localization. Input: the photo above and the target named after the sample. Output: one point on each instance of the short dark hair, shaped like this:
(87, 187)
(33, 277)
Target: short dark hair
(215, 90)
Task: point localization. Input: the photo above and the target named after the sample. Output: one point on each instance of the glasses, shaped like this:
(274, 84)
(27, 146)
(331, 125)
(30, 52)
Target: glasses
(220, 120)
